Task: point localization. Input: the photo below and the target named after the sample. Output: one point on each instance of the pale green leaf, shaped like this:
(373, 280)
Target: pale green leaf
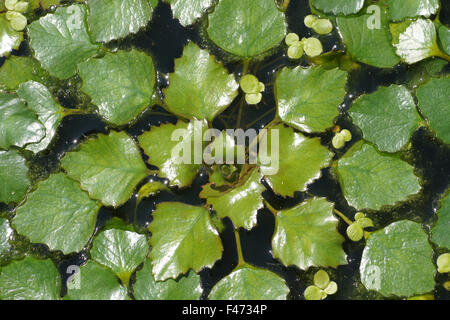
(246, 28)
(397, 261)
(189, 11)
(417, 42)
(240, 203)
(114, 19)
(120, 250)
(60, 40)
(387, 117)
(19, 125)
(109, 167)
(306, 236)
(162, 145)
(5, 235)
(200, 87)
(308, 98)
(95, 282)
(370, 179)
(183, 238)
(65, 214)
(401, 9)
(440, 231)
(14, 180)
(30, 279)
(120, 100)
(184, 288)
(300, 157)
(49, 112)
(370, 46)
(17, 70)
(250, 283)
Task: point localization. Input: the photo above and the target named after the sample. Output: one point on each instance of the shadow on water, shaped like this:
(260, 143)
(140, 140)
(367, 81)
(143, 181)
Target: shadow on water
(164, 39)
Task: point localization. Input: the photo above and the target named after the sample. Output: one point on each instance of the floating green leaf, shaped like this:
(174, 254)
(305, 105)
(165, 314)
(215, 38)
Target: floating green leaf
(109, 167)
(440, 231)
(183, 238)
(415, 41)
(163, 146)
(9, 38)
(49, 112)
(18, 124)
(200, 87)
(30, 279)
(240, 203)
(306, 236)
(401, 9)
(65, 214)
(397, 261)
(96, 283)
(387, 117)
(370, 179)
(444, 38)
(338, 7)
(120, 250)
(114, 19)
(188, 11)
(13, 177)
(5, 235)
(371, 46)
(184, 288)
(17, 70)
(250, 283)
(131, 92)
(308, 98)
(434, 104)
(302, 158)
(60, 40)
(246, 28)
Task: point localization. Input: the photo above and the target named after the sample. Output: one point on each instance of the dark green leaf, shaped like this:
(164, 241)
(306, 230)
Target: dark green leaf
(370, 46)
(434, 104)
(250, 283)
(114, 19)
(441, 234)
(397, 261)
(14, 180)
(30, 279)
(387, 117)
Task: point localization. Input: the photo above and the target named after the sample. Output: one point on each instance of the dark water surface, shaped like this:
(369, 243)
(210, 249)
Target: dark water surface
(164, 39)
